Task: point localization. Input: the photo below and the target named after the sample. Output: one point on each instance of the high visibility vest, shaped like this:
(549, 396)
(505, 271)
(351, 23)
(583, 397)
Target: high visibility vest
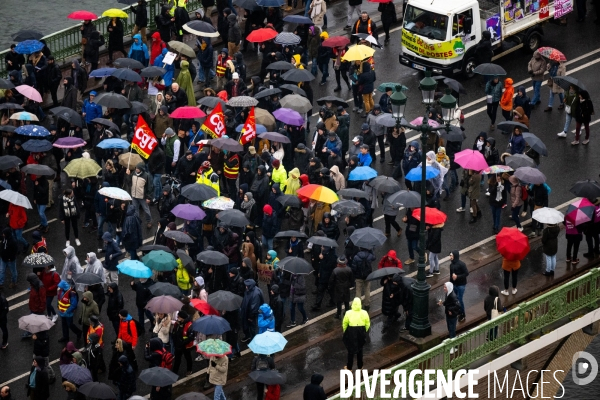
(203, 178)
(186, 330)
(369, 30)
(232, 172)
(222, 65)
(40, 247)
(99, 330)
(65, 301)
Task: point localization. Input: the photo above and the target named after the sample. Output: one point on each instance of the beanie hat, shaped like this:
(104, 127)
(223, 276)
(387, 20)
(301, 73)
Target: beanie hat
(235, 75)
(182, 314)
(267, 209)
(123, 313)
(234, 271)
(276, 163)
(169, 132)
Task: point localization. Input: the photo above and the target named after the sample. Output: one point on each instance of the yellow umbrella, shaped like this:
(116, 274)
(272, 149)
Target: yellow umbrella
(114, 13)
(358, 52)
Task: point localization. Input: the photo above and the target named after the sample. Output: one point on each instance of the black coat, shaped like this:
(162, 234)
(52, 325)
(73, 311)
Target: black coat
(141, 15)
(434, 239)
(142, 292)
(115, 303)
(390, 297)
(361, 264)
(314, 390)
(341, 280)
(115, 34)
(326, 266)
(460, 269)
(367, 79)
(451, 305)
(42, 385)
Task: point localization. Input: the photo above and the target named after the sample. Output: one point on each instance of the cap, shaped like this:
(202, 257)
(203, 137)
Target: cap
(18, 142)
(93, 93)
(314, 159)
(365, 127)
(235, 75)
(252, 150)
(188, 152)
(356, 139)
(364, 146)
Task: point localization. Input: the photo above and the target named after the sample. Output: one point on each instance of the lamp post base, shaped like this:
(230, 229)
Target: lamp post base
(420, 326)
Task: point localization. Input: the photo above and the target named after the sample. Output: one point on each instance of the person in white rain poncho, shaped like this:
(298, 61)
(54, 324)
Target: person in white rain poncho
(438, 181)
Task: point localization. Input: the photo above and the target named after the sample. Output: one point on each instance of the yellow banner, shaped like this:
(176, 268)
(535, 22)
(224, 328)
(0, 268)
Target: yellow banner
(439, 50)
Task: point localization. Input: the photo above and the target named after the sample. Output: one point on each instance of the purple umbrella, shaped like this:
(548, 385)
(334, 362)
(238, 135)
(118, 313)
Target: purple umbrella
(69, 143)
(188, 212)
(288, 116)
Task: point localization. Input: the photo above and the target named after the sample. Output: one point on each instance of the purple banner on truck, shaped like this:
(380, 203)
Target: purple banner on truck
(493, 26)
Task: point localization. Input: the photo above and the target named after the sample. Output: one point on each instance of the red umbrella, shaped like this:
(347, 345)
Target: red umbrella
(82, 15)
(512, 244)
(336, 41)
(261, 35)
(188, 112)
(433, 216)
(204, 307)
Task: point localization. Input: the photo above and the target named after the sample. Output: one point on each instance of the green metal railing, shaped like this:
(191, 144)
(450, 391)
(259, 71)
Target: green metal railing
(67, 43)
(516, 326)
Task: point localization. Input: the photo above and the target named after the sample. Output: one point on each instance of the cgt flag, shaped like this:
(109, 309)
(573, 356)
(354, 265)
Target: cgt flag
(249, 129)
(214, 124)
(144, 141)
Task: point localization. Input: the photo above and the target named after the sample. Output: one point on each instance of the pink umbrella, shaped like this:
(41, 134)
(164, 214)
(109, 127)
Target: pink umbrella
(29, 92)
(419, 121)
(580, 212)
(470, 159)
(69, 143)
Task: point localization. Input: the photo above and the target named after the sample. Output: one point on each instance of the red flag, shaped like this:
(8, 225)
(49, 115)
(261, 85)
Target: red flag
(249, 129)
(214, 124)
(144, 141)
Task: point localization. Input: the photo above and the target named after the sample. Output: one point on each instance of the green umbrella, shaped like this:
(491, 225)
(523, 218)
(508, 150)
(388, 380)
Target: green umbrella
(160, 260)
(82, 168)
(214, 348)
(392, 85)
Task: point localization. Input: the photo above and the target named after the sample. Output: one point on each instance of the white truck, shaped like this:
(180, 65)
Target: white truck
(441, 35)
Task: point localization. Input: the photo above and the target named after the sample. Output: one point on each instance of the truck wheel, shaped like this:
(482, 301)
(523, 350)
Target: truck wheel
(534, 40)
(468, 66)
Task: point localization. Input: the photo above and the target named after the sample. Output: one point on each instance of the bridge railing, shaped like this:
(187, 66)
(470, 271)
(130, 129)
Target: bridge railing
(67, 42)
(516, 326)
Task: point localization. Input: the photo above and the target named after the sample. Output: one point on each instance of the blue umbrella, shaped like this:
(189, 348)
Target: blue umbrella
(76, 374)
(29, 47)
(267, 343)
(270, 3)
(32, 130)
(259, 128)
(211, 325)
(135, 269)
(5, 185)
(37, 146)
(298, 19)
(102, 72)
(362, 174)
(415, 173)
(114, 143)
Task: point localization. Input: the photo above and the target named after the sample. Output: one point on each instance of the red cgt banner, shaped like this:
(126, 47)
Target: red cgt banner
(249, 129)
(144, 141)
(214, 124)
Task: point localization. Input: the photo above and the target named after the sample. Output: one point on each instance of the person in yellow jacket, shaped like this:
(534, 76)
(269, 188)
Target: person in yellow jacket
(206, 176)
(296, 61)
(292, 184)
(356, 325)
(183, 278)
(278, 174)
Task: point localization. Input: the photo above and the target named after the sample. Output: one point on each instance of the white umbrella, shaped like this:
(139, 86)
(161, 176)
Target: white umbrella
(34, 323)
(115, 193)
(15, 198)
(547, 215)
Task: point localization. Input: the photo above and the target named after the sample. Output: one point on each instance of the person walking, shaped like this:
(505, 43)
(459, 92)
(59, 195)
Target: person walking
(497, 199)
(67, 304)
(536, 68)
(458, 278)
(141, 20)
(141, 191)
(492, 302)
(356, 325)
(389, 216)
(341, 280)
(183, 341)
(17, 219)
(114, 305)
(217, 375)
(452, 309)
(88, 309)
(132, 232)
(555, 68)
(412, 236)
(262, 362)
(50, 279)
(493, 92)
(127, 329)
(68, 213)
(253, 299)
(8, 257)
(570, 103)
(127, 381)
(550, 247)
(297, 298)
(37, 298)
(142, 297)
(112, 252)
(516, 200)
(506, 101)
(434, 246)
(583, 116)
(366, 83)
(327, 260)
(353, 6)
(38, 383)
(390, 301)
(473, 193)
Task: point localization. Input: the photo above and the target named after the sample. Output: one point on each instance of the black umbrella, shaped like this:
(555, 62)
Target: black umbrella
(128, 63)
(178, 236)
(150, 247)
(184, 257)
(137, 108)
(291, 234)
(380, 273)
(274, 137)
(588, 189)
(332, 99)
(165, 289)
(519, 160)
(126, 74)
(37, 146)
(233, 218)
(198, 192)
(535, 143)
(455, 134)
(97, 390)
(489, 69)
(27, 34)
(128, 2)
(211, 325)
(385, 184)
(566, 81)
(113, 100)
(38, 169)
(293, 89)
(268, 377)
(11, 106)
(289, 200)
(296, 265)
(7, 162)
(298, 75)
(87, 278)
(322, 241)
(367, 237)
(6, 84)
(348, 207)
(38, 260)
(211, 257)
(509, 126)
(7, 128)
(452, 84)
(211, 101)
(201, 28)
(196, 395)
(152, 72)
(68, 114)
(350, 192)
(404, 198)
(247, 4)
(157, 376)
(224, 300)
(267, 93)
(108, 123)
(280, 66)
(227, 144)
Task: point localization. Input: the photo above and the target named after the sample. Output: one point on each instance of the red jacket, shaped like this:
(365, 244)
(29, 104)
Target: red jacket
(273, 392)
(17, 216)
(390, 260)
(37, 300)
(50, 280)
(124, 332)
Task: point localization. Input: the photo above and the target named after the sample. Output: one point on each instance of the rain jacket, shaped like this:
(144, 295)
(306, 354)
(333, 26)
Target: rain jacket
(115, 302)
(217, 375)
(390, 260)
(361, 264)
(127, 383)
(128, 331)
(506, 101)
(183, 277)
(37, 294)
(89, 309)
(279, 175)
(266, 319)
(132, 229)
(72, 299)
(341, 280)
(94, 266)
(111, 252)
(355, 325)
(184, 79)
(253, 298)
(168, 76)
(17, 217)
(71, 265)
(138, 50)
(292, 184)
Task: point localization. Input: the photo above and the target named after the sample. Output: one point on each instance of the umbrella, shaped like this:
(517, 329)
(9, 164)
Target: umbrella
(242, 101)
(88, 279)
(368, 38)
(164, 304)
(114, 13)
(111, 125)
(37, 260)
(297, 103)
(287, 39)
(566, 81)
(416, 173)
(358, 53)
(211, 325)
(135, 269)
(512, 244)
(264, 117)
(211, 101)
(336, 41)
(29, 92)
(75, 374)
(535, 143)
(83, 16)
(350, 192)
(34, 323)
(38, 169)
(97, 390)
(261, 35)
(289, 200)
(336, 101)
(152, 72)
(27, 116)
(5, 184)
(552, 54)
(455, 85)
(385, 184)
(388, 120)
(102, 72)
(204, 307)
(114, 143)
(382, 272)
(159, 260)
(433, 216)
(115, 193)
(298, 19)
(259, 128)
(128, 63)
(547, 215)
(274, 137)
(192, 395)
(291, 234)
(69, 115)
(29, 47)
(10, 106)
(267, 93)
(455, 134)
(157, 376)
(267, 343)
(509, 126)
(233, 218)
(530, 175)
(470, 159)
(130, 159)
(298, 75)
(37, 146)
(489, 69)
(182, 48)
(588, 188)
(7, 162)
(7, 128)
(188, 112)
(288, 116)
(348, 207)
(280, 66)
(201, 28)
(213, 348)
(32, 130)
(198, 192)
(519, 160)
(318, 193)
(211, 257)
(367, 237)
(497, 169)
(270, 3)
(113, 100)
(362, 174)
(578, 212)
(293, 88)
(227, 144)
(69, 143)
(322, 241)
(225, 300)
(150, 247)
(219, 203)
(26, 34)
(127, 74)
(189, 212)
(6, 84)
(178, 236)
(82, 168)
(296, 265)
(419, 121)
(382, 87)
(165, 289)
(268, 377)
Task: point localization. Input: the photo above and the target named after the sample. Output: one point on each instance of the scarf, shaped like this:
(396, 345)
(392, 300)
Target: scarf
(480, 144)
(487, 151)
(499, 191)
(69, 206)
(246, 206)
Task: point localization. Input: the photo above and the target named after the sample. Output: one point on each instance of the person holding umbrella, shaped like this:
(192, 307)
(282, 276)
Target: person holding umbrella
(217, 374)
(570, 103)
(493, 91)
(17, 219)
(37, 297)
(536, 68)
(550, 247)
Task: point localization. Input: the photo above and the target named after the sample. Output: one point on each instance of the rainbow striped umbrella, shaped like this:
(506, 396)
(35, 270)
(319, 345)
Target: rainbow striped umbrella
(318, 193)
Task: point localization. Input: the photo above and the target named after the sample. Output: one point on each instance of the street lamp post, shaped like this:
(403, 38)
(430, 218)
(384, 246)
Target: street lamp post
(420, 326)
